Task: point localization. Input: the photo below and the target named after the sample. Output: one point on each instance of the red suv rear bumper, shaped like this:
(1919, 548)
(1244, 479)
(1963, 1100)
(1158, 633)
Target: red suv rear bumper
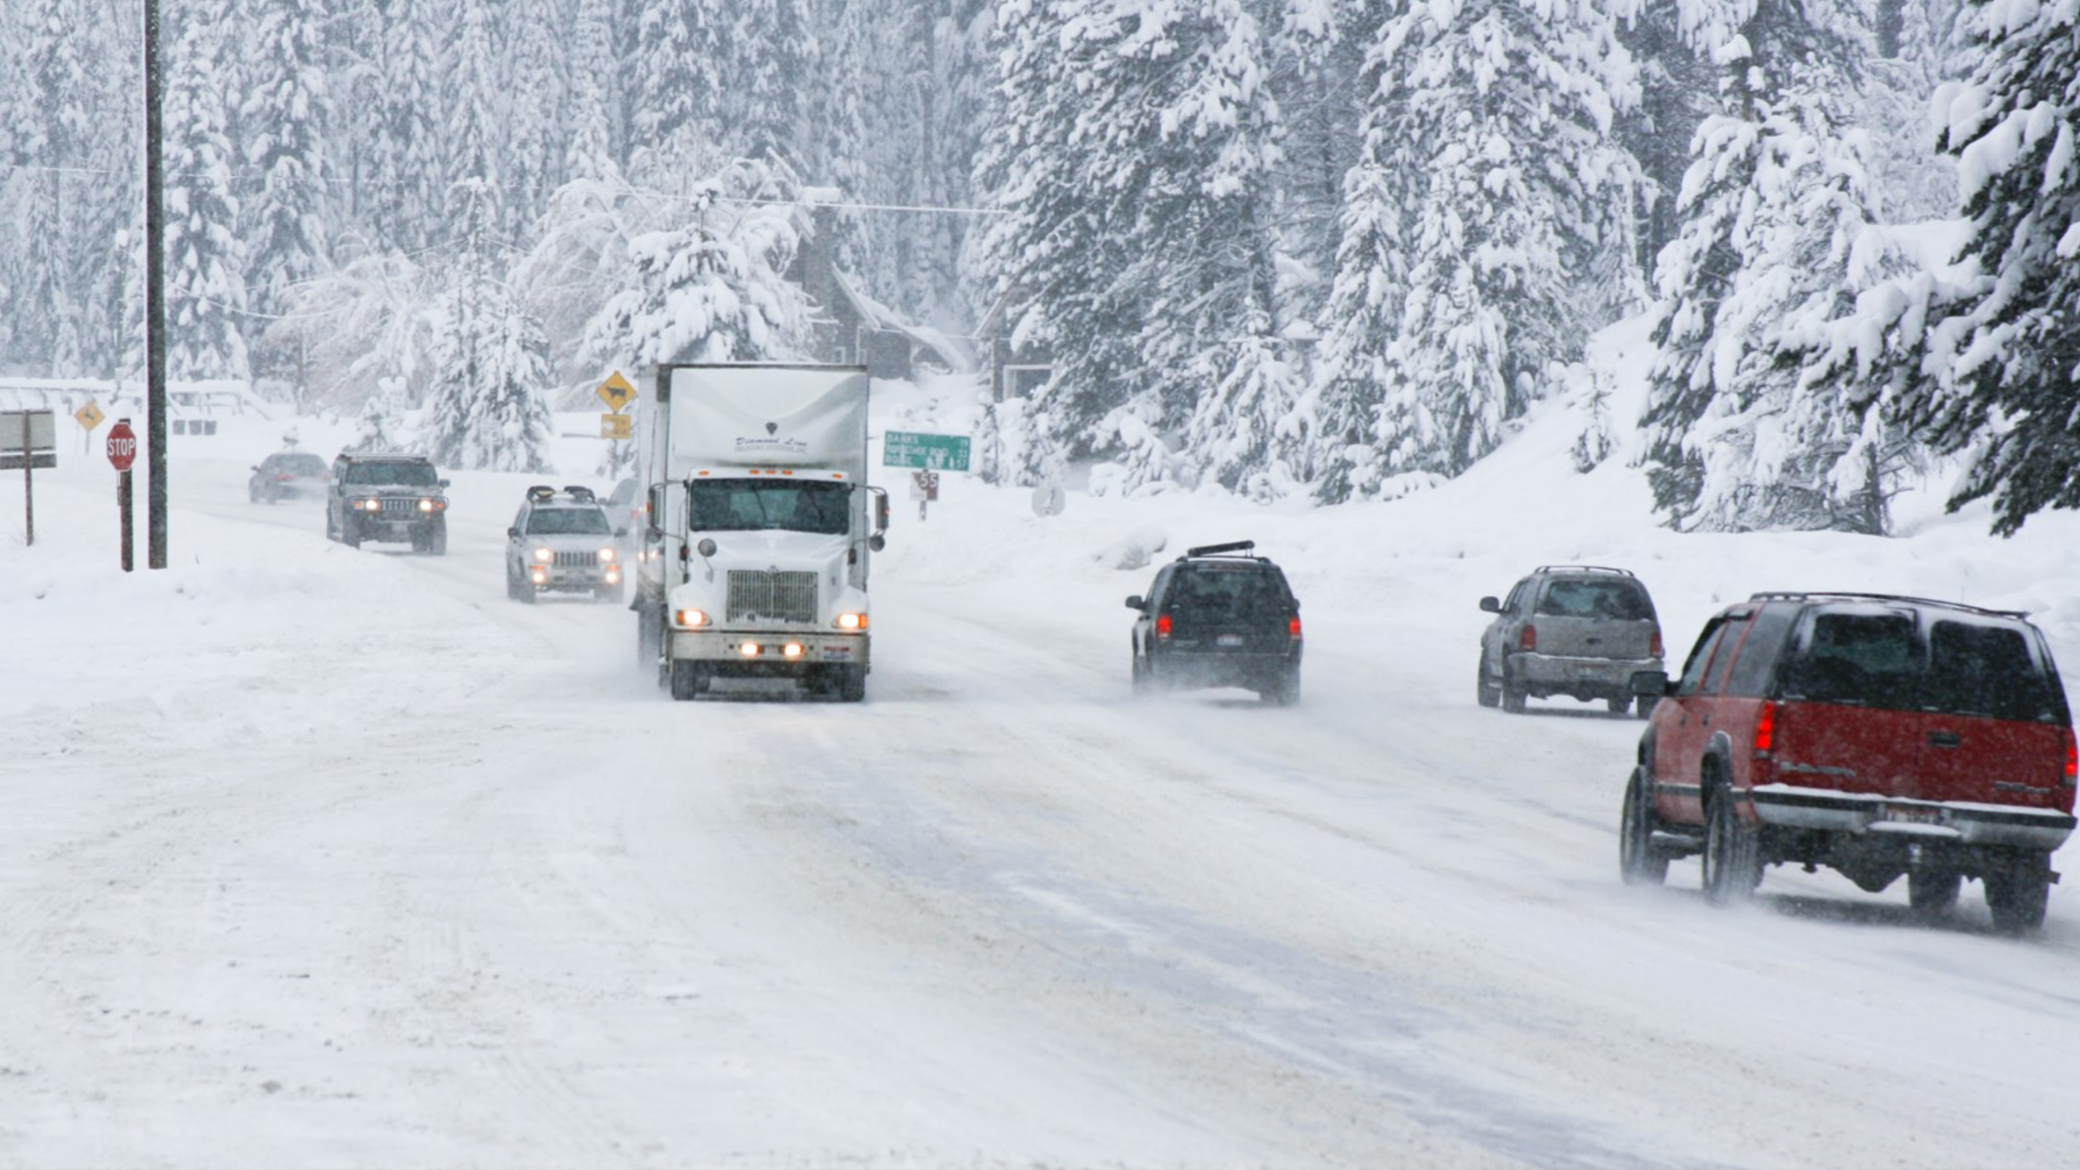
(1910, 820)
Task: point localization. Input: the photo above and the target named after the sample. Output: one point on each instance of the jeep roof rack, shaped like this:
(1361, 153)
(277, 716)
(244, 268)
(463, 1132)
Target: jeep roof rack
(1851, 595)
(1583, 569)
(1214, 550)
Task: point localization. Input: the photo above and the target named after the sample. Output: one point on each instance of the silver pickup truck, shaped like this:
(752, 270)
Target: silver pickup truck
(1578, 630)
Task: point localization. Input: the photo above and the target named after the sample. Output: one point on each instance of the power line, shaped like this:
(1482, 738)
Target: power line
(627, 192)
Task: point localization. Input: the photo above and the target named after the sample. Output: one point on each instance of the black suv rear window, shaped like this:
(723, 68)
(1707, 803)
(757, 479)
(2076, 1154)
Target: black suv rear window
(1613, 600)
(1222, 590)
(1955, 668)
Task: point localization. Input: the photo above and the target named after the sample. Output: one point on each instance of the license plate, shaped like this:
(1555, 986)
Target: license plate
(1911, 814)
(1228, 640)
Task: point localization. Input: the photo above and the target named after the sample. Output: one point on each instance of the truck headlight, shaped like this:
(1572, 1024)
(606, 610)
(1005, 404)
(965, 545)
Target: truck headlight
(543, 554)
(851, 621)
(606, 555)
(690, 618)
(368, 505)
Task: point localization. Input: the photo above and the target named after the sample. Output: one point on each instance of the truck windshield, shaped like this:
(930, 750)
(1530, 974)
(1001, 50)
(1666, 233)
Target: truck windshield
(741, 505)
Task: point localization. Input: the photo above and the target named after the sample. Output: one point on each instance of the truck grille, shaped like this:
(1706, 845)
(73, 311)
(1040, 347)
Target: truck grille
(394, 507)
(778, 597)
(575, 560)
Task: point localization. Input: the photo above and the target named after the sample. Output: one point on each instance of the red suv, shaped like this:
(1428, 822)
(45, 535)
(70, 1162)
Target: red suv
(1875, 735)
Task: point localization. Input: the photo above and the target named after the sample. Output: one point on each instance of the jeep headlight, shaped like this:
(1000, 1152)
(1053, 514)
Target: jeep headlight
(543, 555)
(606, 555)
(368, 505)
(426, 505)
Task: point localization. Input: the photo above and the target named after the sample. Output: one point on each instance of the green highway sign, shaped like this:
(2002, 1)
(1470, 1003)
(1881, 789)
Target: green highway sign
(932, 452)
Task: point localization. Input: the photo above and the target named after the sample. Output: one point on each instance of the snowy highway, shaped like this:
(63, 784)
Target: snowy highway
(317, 856)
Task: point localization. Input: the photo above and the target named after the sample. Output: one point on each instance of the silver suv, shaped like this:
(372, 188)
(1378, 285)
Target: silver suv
(1579, 630)
(563, 541)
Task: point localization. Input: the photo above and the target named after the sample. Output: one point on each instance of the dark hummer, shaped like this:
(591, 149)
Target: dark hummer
(387, 497)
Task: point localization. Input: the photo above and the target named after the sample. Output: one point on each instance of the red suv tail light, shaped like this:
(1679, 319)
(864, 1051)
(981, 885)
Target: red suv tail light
(1293, 627)
(2072, 768)
(1654, 643)
(1527, 638)
(1766, 728)
(1162, 625)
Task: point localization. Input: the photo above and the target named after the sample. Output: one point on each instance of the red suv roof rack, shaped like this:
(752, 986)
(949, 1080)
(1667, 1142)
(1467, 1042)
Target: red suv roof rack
(1851, 595)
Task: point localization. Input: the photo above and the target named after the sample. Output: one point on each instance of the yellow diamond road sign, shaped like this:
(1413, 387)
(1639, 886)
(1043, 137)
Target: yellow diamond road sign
(616, 426)
(89, 416)
(616, 392)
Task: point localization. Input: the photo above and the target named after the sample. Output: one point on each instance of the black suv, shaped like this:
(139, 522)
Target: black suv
(1219, 617)
(387, 497)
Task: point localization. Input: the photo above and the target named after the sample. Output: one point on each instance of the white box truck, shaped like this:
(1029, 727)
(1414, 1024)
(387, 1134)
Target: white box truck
(760, 527)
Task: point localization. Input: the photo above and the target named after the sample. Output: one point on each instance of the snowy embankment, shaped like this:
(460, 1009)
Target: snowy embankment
(317, 856)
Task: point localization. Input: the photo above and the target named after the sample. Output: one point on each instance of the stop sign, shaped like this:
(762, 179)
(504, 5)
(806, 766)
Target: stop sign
(122, 445)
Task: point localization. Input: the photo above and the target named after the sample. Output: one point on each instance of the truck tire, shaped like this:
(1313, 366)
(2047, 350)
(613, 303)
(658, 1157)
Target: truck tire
(688, 679)
(2019, 892)
(349, 532)
(649, 636)
(1512, 695)
(436, 539)
(1732, 853)
(1285, 692)
(852, 684)
(1484, 693)
(1638, 863)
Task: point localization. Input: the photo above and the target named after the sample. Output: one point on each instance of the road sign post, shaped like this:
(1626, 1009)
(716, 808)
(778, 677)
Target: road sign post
(122, 452)
(27, 441)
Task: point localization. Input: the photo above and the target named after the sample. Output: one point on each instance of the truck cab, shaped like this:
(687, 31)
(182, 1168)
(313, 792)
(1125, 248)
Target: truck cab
(761, 528)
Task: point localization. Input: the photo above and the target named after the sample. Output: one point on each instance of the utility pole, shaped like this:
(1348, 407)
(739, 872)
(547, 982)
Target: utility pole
(154, 300)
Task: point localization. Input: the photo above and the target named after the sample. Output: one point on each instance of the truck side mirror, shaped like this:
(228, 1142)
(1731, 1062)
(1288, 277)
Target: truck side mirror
(512, 534)
(1490, 605)
(881, 510)
(1136, 601)
(877, 542)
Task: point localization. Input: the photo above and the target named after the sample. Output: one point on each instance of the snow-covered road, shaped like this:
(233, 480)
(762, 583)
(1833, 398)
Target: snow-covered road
(316, 856)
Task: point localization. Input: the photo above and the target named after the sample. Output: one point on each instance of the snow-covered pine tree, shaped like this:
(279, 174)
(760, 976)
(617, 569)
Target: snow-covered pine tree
(591, 153)
(712, 287)
(1911, 179)
(1770, 211)
(679, 72)
(205, 261)
(1489, 172)
(485, 407)
(770, 53)
(2015, 127)
(406, 174)
(381, 426)
(1130, 152)
(284, 112)
(476, 132)
(538, 112)
(49, 283)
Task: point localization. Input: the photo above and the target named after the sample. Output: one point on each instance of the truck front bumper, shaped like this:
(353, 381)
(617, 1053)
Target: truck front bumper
(768, 651)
